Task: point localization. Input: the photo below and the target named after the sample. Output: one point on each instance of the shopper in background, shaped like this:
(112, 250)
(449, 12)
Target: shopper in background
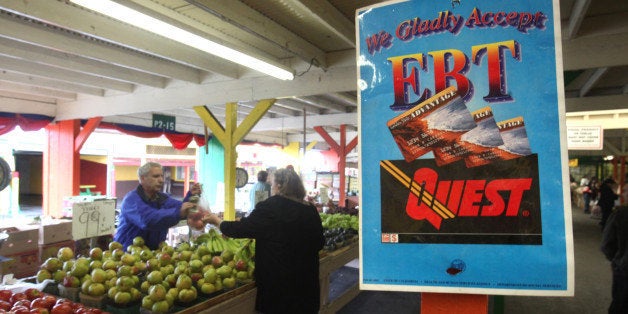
(148, 212)
(584, 181)
(260, 190)
(615, 248)
(289, 235)
(607, 199)
(589, 193)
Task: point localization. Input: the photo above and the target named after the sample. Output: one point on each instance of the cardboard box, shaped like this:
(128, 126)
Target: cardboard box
(20, 240)
(21, 265)
(50, 250)
(57, 230)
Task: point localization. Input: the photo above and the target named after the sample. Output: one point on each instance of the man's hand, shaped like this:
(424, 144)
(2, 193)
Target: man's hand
(185, 208)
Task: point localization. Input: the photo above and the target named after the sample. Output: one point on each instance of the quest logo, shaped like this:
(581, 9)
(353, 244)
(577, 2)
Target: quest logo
(498, 203)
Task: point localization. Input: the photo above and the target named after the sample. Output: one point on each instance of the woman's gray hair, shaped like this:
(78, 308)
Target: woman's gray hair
(289, 184)
(145, 169)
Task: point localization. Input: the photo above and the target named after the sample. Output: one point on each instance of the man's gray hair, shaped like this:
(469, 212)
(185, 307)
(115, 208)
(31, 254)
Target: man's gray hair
(145, 168)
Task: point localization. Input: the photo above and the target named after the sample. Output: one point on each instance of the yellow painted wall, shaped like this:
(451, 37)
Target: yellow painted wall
(92, 158)
(126, 173)
(34, 181)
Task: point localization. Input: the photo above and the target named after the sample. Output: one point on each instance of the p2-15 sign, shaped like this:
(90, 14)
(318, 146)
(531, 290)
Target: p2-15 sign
(165, 122)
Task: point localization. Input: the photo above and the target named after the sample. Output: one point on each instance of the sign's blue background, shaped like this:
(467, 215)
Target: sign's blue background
(531, 81)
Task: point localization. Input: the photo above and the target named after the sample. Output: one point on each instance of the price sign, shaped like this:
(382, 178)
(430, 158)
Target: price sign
(92, 219)
(161, 121)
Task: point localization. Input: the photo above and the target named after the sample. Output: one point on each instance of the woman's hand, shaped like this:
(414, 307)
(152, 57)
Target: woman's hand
(212, 219)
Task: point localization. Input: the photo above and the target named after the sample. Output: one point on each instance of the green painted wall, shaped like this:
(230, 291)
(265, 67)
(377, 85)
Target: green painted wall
(211, 170)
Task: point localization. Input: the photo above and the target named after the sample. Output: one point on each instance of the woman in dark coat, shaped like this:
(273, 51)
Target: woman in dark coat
(607, 199)
(289, 235)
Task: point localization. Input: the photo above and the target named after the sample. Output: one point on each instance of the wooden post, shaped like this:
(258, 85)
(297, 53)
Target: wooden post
(445, 303)
(61, 158)
(341, 149)
(230, 136)
(61, 166)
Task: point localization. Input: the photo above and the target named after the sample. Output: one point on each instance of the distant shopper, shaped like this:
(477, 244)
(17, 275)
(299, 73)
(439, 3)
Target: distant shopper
(589, 193)
(607, 199)
(584, 181)
(289, 235)
(260, 190)
(148, 212)
(615, 248)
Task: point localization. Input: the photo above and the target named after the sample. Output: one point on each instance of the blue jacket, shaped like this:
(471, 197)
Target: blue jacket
(148, 219)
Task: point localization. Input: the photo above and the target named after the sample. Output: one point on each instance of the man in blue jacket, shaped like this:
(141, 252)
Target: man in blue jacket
(147, 212)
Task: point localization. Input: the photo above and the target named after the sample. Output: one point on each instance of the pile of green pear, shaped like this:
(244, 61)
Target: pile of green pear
(156, 278)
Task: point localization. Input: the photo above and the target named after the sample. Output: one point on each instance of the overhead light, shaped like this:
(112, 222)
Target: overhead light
(151, 24)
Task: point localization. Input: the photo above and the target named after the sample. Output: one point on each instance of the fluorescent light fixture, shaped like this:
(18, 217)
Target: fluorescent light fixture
(151, 24)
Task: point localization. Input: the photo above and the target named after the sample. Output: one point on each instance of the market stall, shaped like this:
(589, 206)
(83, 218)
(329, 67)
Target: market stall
(218, 270)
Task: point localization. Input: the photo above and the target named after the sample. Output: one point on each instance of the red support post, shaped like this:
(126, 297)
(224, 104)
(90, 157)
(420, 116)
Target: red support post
(61, 158)
(341, 149)
(61, 166)
(445, 303)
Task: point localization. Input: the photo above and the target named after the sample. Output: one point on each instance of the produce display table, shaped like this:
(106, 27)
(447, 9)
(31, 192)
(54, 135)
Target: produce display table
(241, 300)
(328, 264)
(238, 300)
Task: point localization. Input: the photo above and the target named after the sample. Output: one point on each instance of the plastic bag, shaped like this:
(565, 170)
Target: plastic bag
(195, 217)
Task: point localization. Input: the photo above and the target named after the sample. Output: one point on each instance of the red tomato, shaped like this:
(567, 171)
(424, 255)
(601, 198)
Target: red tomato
(25, 303)
(20, 310)
(63, 300)
(39, 311)
(41, 303)
(4, 305)
(32, 293)
(49, 300)
(5, 295)
(77, 305)
(62, 308)
(18, 296)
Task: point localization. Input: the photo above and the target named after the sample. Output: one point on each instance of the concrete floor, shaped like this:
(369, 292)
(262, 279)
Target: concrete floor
(592, 285)
(592, 272)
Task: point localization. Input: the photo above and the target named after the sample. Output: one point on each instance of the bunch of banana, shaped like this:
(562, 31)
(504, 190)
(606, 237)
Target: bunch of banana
(202, 239)
(216, 244)
(246, 251)
(232, 244)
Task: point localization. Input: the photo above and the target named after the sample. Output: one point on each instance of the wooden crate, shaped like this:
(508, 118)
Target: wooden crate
(19, 240)
(21, 265)
(55, 231)
(328, 264)
(51, 249)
